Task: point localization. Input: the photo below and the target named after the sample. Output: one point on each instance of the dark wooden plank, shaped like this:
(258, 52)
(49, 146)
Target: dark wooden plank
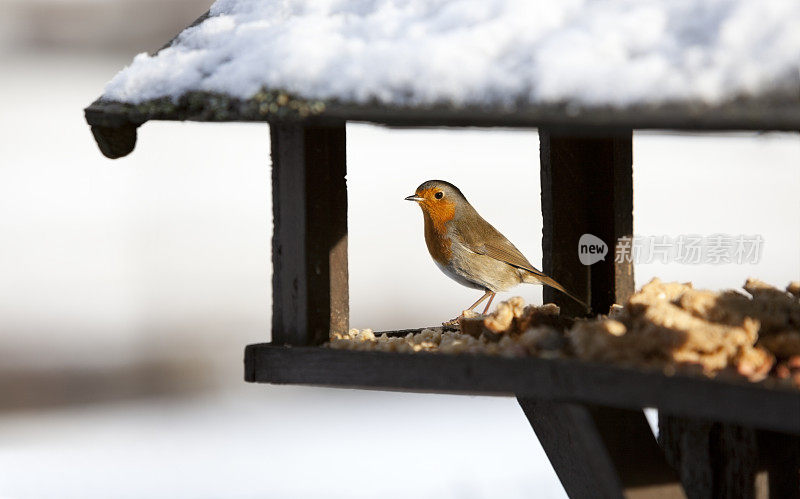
(757, 114)
(686, 444)
(574, 448)
(309, 243)
(781, 114)
(115, 142)
(587, 188)
(779, 455)
(758, 405)
(118, 139)
(714, 459)
(600, 451)
(638, 459)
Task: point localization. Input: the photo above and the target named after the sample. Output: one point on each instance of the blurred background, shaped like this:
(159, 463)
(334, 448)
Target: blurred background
(129, 288)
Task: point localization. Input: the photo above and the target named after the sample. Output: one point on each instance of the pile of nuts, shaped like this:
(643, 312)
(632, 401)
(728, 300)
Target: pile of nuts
(669, 326)
(537, 341)
(673, 325)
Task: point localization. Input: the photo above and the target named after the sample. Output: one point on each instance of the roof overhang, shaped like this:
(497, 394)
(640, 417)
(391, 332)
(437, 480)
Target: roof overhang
(114, 124)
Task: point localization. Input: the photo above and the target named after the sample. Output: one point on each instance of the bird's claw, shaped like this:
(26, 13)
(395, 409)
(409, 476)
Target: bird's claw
(451, 322)
(466, 314)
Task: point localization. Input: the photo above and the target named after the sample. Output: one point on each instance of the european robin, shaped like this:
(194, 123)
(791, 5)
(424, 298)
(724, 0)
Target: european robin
(468, 249)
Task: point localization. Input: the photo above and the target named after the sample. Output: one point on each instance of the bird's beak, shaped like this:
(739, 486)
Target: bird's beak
(415, 198)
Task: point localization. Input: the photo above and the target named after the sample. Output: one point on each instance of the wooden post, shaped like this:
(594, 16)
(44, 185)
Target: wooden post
(601, 451)
(587, 188)
(717, 459)
(779, 454)
(309, 243)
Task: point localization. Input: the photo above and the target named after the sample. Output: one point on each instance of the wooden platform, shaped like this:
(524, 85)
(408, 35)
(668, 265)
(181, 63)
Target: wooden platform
(759, 405)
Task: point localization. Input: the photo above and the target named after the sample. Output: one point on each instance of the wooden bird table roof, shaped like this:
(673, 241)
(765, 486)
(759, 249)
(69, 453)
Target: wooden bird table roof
(774, 106)
(108, 118)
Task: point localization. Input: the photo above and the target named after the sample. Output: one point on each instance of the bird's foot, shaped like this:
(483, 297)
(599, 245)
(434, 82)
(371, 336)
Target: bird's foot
(452, 323)
(465, 314)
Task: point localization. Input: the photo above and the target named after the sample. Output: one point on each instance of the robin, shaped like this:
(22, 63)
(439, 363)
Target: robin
(468, 249)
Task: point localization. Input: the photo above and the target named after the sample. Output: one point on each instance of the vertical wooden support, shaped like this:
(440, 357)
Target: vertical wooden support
(587, 188)
(309, 242)
(713, 459)
(574, 447)
(600, 451)
(779, 454)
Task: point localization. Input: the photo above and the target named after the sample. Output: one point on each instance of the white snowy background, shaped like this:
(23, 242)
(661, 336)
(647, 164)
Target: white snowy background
(163, 257)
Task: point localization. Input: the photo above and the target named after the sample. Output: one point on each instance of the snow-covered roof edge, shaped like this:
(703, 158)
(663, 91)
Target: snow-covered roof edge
(114, 123)
(494, 53)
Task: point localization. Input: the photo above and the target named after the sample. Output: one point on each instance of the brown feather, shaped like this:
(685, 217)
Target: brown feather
(487, 240)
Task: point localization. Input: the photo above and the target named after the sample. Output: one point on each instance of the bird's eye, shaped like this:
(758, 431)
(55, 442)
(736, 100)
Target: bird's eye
(439, 195)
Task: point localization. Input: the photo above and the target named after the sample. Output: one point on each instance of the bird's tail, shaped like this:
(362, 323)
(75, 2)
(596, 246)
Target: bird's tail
(549, 281)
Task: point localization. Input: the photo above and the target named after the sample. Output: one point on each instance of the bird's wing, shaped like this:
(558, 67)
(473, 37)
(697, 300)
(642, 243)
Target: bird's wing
(492, 243)
(495, 245)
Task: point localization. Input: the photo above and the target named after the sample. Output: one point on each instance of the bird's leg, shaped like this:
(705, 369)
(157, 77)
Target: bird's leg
(453, 322)
(488, 304)
(485, 295)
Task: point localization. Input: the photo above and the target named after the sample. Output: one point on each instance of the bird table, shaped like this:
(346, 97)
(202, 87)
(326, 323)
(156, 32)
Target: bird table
(717, 438)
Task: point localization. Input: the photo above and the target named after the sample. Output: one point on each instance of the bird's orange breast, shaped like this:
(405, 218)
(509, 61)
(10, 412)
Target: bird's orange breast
(436, 238)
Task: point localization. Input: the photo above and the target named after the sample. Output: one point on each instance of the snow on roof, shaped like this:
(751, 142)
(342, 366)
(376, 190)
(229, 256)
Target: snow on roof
(465, 52)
